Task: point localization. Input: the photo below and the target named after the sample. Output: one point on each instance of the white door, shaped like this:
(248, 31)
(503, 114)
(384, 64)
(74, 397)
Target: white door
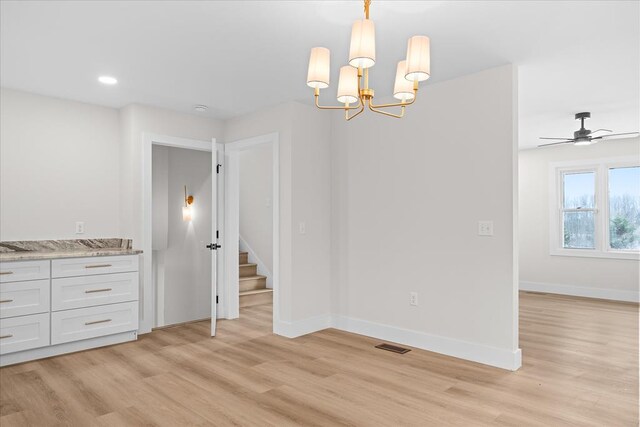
(214, 235)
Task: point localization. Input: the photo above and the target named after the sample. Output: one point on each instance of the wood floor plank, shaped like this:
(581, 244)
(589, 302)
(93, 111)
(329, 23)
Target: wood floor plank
(580, 367)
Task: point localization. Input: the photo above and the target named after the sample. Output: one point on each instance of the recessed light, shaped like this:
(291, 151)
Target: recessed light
(107, 80)
(200, 108)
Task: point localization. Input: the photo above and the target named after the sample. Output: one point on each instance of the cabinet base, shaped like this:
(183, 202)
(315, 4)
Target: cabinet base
(71, 347)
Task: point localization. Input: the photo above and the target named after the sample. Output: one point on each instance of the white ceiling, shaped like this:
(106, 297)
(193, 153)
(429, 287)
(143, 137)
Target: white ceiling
(239, 56)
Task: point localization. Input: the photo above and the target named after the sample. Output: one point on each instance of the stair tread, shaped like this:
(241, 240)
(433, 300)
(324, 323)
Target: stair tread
(243, 252)
(250, 264)
(253, 277)
(256, 291)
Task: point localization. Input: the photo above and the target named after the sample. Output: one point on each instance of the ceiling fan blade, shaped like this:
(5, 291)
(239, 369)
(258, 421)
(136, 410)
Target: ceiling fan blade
(555, 143)
(560, 139)
(601, 130)
(615, 134)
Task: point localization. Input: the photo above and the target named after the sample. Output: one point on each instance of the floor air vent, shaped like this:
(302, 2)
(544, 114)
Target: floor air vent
(393, 348)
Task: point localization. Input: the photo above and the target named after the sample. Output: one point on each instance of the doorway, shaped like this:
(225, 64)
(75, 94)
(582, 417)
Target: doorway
(251, 226)
(181, 228)
(180, 266)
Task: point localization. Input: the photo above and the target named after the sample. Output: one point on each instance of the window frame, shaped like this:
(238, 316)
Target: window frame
(602, 238)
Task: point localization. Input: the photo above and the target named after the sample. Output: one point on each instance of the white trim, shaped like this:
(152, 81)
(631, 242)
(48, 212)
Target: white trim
(254, 258)
(600, 168)
(581, 291)
(231, 233)
(70, 347)
(303, 327)
(147, 312)
(487, 355)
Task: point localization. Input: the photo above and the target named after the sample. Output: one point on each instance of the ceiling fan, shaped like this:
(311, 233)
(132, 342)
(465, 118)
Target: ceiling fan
(584, 136)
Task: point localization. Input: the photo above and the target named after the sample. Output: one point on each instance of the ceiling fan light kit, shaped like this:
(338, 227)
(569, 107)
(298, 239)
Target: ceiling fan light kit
(353, 82)
(583, 136)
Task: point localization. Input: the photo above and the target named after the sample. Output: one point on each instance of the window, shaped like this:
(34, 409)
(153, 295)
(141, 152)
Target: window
(595, 209)
(624, 208)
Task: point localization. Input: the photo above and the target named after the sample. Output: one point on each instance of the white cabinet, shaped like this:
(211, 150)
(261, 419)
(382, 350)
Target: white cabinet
(17, 271)
(83, 323)
(22, 298)
(77, 292)
(57, 306)
(24, 333)
(93, 265)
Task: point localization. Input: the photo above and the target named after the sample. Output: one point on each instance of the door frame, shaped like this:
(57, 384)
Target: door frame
(147, 312)
(229, 288)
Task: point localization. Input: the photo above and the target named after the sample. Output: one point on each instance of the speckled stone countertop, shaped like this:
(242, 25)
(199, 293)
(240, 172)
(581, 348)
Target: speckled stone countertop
(51, 249)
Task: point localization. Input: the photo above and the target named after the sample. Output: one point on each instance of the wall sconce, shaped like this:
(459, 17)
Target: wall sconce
(187, 209)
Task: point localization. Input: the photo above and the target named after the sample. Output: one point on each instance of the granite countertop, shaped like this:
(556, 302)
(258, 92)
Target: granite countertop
(53, 249)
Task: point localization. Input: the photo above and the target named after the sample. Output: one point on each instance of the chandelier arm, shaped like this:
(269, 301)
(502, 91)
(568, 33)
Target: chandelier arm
(346, 113)
(331, 107)
(399, 104)
(386, 113)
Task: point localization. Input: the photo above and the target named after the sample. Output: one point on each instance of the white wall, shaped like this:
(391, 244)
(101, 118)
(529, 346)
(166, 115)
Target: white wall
(603, 278)
(304, 178)
(183, 267)
(59, 163)
(256, 202)
(407, 198)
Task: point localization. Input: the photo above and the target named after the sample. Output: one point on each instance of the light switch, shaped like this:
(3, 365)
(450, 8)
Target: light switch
(485, 228)
(303, 227)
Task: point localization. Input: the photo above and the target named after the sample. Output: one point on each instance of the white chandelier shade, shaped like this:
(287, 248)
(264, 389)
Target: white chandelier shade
(403, 88)
(418, 59)
(362, 51)
(319, 68)
(348, 85)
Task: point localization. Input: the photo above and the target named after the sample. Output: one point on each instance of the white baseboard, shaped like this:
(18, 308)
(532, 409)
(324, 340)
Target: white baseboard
(253, 257)
(302, 327)
(70, 347)
(500, 358)
(581, 291)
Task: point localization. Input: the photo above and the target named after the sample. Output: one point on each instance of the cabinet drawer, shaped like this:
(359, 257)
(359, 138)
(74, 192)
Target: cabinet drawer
(93, 265)
(78, 292)
(21, 298)
(24, 333)
(83, 323)
(16, 271)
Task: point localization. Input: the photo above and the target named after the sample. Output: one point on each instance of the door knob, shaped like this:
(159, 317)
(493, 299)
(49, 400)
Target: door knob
(213, 246)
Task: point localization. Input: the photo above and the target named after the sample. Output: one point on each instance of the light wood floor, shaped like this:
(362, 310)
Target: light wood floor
(580, 368)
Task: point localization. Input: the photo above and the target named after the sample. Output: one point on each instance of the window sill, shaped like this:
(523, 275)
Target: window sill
(592, 253)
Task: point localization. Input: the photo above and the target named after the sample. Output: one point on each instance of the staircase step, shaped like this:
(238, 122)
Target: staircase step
(256, 297)
(244, 257)
(248, 270)
(251, 283)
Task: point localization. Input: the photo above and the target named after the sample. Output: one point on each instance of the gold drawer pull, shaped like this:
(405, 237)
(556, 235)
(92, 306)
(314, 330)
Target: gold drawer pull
(2, 273)
(5, 336)
(91, 291)
(5, 300)
(97, 266)
(97, 321)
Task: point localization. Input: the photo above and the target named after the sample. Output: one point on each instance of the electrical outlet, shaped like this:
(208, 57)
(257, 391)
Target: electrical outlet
(485, 228)
(79, 227)
(303, 227)
(413, 298)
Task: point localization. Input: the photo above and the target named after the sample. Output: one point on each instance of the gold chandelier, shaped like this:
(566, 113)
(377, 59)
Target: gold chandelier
(353, 82)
